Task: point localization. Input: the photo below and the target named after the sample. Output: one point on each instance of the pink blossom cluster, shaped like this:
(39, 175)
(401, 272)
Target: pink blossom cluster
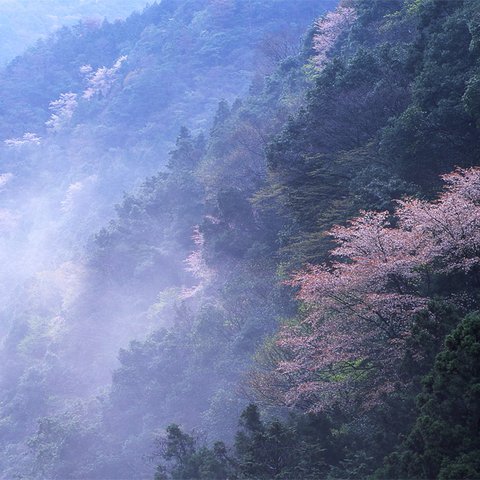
(362, 305)
(329, 28)
(196, 264)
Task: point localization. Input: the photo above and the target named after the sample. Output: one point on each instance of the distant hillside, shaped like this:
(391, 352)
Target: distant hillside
(23, 22)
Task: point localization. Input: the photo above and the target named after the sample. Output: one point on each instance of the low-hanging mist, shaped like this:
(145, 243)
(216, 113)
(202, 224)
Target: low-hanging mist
(88, 114)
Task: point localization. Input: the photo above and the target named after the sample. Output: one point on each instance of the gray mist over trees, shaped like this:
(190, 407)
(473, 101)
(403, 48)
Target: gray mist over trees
(88, 114)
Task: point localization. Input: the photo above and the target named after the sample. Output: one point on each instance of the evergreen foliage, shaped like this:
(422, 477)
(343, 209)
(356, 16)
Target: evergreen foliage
(444, 441)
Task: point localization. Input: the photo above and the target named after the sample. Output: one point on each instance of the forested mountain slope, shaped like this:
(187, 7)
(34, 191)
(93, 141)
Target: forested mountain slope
(226, 268)
(86, 114)
(93, 109)
(391, 111)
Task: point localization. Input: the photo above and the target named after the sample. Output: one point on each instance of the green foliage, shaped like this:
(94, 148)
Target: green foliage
(437, 131)
(444, 441)
(191, 460)
(301, 447)
(315, 161)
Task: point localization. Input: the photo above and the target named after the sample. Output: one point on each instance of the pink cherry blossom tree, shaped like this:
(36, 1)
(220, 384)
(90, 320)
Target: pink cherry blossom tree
(329, 28)
(195, 264)
(360, 307)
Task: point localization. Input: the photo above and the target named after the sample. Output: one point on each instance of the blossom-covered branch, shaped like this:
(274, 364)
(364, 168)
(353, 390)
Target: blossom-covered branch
(329, 28)
(62, 110)
(101, 80)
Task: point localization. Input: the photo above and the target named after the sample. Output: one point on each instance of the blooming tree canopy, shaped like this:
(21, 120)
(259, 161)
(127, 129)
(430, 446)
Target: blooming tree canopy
(329, 28)
(28, 138)
(195, 264)
(62, 110)
(101, 80)
(362, 305)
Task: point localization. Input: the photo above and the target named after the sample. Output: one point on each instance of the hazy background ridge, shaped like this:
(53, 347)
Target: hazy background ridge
(23, 22)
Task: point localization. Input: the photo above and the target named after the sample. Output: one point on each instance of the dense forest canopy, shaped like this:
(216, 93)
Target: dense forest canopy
(240, 239)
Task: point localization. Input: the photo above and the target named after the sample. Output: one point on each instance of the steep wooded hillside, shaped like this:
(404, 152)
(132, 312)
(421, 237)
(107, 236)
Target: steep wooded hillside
(310, 244)
(86, 114)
